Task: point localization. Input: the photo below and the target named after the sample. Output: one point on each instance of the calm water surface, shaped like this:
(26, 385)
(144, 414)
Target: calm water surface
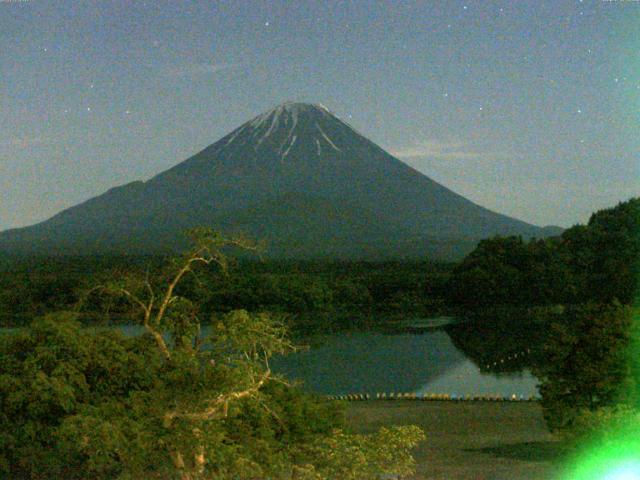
(370, 362)
(365, 362)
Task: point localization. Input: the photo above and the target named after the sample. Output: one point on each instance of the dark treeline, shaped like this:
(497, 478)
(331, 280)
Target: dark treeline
(310, 295)
(597, 262)
(564, 307)
(33, 286)
(79, 403)
(522, 287)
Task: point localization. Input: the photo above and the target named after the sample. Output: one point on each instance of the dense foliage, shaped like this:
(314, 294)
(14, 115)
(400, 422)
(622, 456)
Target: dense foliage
(586, 362)
(605, 254)
(312, 295)
(511, 271)
(566, 302)
(78, 402)
(597, 262)
(505, 340)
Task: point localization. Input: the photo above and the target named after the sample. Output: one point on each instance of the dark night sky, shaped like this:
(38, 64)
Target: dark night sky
(530, 108)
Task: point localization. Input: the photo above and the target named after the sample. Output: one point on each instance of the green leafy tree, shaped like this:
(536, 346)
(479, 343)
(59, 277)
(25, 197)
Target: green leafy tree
(79, 403)
(586, 362)
(605, 427)
(490, 275)
(605, 254)
(510, 271)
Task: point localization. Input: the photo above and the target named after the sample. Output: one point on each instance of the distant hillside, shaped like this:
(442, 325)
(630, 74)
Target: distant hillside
(296, 176)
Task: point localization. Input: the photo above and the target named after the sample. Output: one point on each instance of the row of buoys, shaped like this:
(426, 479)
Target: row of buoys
(509, 357)
(434, 396)
(350, 396)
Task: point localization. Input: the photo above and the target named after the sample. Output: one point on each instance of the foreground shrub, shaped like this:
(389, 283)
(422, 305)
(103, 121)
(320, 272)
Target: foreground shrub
(604, 426)
(79, 403)
(586, 362)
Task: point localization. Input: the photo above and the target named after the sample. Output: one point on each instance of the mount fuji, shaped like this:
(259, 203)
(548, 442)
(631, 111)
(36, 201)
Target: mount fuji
(296, 176)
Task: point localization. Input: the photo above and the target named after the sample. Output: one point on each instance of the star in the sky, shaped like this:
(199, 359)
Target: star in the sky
(266, 24)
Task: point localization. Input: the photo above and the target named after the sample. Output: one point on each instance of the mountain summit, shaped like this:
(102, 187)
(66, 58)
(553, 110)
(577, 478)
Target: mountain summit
(296, 176)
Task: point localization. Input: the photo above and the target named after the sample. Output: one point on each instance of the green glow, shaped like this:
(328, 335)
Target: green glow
(614, 454)
(626, 471)
(613, 460)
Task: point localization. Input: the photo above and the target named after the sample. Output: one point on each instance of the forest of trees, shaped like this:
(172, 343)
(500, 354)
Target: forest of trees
(572, 301)
(81, 401)
(311, 295)
(596, 262)
(78, 402)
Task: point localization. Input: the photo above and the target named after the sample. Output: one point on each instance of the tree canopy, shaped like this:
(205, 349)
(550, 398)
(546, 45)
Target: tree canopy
(587, 364)
(597, 262)
(83, 403)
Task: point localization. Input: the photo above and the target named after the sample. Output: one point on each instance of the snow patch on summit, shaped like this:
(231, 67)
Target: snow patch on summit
(324, 135)
(293, 140)
(280, 115)
(283, 123)
(275, 121)
(235, 134)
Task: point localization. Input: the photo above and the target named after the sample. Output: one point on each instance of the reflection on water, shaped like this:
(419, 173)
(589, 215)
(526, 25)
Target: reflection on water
(368, 362)
(467, 379)
(371, 362)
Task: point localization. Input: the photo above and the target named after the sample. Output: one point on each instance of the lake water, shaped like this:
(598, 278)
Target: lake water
(371, 362)
(367, 362)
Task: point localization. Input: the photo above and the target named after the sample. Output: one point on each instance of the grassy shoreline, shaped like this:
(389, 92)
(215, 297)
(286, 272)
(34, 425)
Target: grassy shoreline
(469, 440)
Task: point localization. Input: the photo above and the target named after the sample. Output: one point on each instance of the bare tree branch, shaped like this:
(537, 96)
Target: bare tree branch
(147, 309)
(220, 405)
